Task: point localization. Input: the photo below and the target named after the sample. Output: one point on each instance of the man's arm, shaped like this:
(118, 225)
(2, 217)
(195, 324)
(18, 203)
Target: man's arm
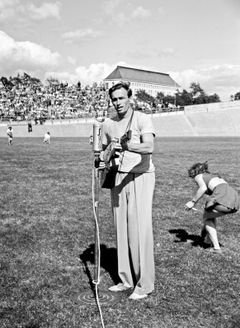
(146, 147)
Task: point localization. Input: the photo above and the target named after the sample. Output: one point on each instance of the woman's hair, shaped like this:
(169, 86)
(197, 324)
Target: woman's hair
(198, 168)
(119, 85)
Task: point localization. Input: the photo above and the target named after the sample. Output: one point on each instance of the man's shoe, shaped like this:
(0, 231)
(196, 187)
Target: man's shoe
(207, 241)
(118, 288)
(135, 296)
(215, 251)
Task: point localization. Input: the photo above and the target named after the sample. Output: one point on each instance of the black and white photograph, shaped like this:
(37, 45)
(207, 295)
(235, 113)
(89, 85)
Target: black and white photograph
(119, 164)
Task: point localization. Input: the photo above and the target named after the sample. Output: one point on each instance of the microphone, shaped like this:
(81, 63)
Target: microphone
(97, 143)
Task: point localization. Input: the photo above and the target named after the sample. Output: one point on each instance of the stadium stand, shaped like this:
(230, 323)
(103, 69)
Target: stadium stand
(24, 97)
(69, 111)
(210, 121)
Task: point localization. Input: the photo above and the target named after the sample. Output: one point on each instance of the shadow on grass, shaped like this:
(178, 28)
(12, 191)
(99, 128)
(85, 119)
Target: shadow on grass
(184, 237)
(108, 262)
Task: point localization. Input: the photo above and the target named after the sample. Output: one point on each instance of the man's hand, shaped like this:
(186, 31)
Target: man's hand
(189, 205)
(124, 145)
(112, 151)
(99, 163)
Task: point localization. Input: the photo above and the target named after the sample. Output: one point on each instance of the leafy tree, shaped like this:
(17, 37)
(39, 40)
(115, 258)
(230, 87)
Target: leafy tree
(159, 98)
(196, 89)
(200, 97)
(168, 99)
(142, 95)
(213, 98)
(237, 96)
(184, 98)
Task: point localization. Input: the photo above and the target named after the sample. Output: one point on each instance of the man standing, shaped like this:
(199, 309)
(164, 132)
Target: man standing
(10, 135)
(29, 126)
(133, 193)
(46, 138)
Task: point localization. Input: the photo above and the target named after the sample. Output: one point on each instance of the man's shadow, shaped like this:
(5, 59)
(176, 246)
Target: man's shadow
(108, 261)
(184, 237)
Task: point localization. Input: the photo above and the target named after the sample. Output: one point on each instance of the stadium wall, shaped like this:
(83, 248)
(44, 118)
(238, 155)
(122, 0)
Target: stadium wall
(219, 119)
(63, 128)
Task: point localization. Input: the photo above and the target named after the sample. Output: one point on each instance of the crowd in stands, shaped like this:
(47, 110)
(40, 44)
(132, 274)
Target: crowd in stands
(27, 98)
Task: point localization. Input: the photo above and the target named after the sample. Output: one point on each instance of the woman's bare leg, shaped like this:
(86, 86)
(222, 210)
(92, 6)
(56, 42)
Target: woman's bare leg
(210, 223)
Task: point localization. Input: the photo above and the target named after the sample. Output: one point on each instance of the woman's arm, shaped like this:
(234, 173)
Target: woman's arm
(202, 188)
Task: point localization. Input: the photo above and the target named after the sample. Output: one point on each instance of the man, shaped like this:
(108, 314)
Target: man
(29, 126)
(46, 138)
(10, 135)
(133, 193)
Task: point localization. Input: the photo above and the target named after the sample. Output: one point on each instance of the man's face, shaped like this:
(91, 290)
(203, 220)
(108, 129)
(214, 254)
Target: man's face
(120, 101)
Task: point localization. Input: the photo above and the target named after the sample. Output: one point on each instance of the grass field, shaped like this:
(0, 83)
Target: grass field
(47, 237)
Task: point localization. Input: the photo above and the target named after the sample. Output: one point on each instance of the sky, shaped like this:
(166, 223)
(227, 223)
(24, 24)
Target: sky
(75, 40)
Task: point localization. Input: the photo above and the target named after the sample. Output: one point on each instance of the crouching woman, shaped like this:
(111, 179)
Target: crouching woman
(222, 199)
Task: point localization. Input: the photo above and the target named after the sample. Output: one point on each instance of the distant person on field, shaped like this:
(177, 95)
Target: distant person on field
(10, 135)
(47, 138)
(91, 140)
(222, 199)
(29, 127)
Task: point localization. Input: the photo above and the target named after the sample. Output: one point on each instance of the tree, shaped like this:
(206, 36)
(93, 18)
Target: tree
(184, 98)
(199, 95)
(168, 99)
(213, 98)
(160, 97)
(142, 95)
(196, 89)
(237, 96)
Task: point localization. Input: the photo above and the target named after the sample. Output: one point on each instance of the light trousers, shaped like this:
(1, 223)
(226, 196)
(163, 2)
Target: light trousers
(132, 211)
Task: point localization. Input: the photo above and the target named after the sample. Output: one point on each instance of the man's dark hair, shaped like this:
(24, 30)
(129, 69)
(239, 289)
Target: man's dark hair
(119, 85)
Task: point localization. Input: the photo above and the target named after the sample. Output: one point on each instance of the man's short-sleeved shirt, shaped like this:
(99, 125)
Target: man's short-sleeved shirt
(10, 133)
(115, 128)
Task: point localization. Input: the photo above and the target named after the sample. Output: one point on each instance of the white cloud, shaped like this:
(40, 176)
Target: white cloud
(71, 60)
(79, 35)
(94, 73)
(86, 75)
(111, 6)
(8, 9)
(140, 12)
(46, 10)
(14, 9)
(122, 14)
(15, 55)
(161, 10)
(167, 52)
(220, 79)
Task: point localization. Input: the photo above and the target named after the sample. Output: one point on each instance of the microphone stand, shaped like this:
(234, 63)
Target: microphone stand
(96, 211)
(96, 174)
